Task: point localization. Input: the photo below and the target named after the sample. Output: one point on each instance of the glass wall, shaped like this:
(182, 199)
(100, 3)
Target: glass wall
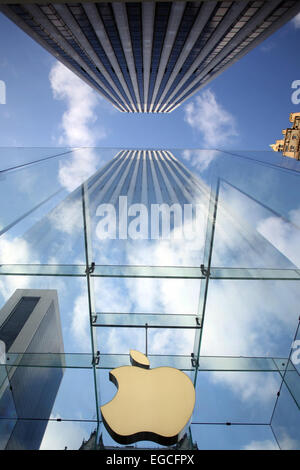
(207, 284)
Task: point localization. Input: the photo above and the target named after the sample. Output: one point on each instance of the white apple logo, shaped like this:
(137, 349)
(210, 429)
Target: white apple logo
(150, 405)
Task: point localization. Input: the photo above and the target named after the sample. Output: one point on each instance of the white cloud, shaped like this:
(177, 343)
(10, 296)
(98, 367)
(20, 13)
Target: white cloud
(286, 442)
(296, 21)
(207, 116)
(81, 102)
(59, 435)
(78, 124)
(200, 158)
(171, 341)
(109, 297)
(283, 235)
(121, 340)
(80, 322)
(261, 445)
(250, 318)
(15, 251)
(74, 172)
(251, 387)
(67, 217)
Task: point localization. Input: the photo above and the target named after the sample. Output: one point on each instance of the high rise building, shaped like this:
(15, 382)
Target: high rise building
(149, 56)
(30, 324)
(146, 177)
(290, 144)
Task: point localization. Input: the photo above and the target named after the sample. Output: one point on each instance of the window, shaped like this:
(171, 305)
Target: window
(17, 319)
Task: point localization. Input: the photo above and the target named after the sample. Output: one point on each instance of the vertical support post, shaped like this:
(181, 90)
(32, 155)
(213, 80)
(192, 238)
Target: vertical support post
(291, 380)
(90, 290)
(208, 249)
(146, 339)
(5, 382)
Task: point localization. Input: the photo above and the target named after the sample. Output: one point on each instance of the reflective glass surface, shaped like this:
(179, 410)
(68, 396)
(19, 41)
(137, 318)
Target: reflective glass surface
(207, 284)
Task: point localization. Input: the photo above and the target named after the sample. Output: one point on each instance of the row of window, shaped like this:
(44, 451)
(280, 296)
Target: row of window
(155, 169)
(211, 31)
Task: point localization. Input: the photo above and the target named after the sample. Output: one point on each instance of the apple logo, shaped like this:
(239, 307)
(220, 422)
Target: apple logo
(150, 404)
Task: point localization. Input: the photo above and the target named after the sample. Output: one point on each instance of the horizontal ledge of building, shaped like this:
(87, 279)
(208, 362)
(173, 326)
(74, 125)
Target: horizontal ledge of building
(110, 361)
(160, 272)
(147, 320)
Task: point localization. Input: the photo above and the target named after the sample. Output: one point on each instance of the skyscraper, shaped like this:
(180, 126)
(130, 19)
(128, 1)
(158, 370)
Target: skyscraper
(30, 324)
(147, 177)
(290, 144)
(149, 56)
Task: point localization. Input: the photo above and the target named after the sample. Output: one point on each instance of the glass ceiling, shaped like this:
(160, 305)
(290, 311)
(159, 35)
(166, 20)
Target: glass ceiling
(218, 300)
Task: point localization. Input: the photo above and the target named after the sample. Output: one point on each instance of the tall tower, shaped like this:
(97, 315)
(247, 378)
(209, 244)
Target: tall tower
(30, 323)
(150, 184)
(149, 56)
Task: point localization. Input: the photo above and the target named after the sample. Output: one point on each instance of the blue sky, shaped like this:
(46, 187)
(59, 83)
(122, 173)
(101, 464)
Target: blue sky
(245, 108)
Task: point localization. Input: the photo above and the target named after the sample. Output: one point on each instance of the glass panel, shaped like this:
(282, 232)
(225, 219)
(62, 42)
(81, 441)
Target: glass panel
(67, 435)
(244, 234)
(120, 340)
(250, 318)
(265, 181)
(168, 341)
(75, 398)
(292, 380)
(286, 421)
(80, 361)
(31, 189)
(265, 159)
(240, 364)
(141, 319)
(236, 397)
(42, 209)
(126, 215)
(159, 296)
(12, 158)
(59, 394)
(42, 270)
(258, 273)
(72, 306)
(211, 437)
(149, 271)
(54, 237)
(84, 361)
(252, 288)
(110, 361)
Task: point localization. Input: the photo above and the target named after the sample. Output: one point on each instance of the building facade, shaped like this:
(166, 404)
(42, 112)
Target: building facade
(30, 324)
(149, 56)
(290, 144)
